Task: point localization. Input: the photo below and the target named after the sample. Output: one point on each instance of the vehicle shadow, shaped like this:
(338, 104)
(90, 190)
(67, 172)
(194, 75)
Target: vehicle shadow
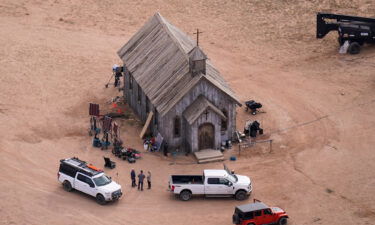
(210, 199)
(75, 195)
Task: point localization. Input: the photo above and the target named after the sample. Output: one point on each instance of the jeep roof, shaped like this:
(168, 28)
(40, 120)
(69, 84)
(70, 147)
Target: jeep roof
(81, 166)
(252, 207)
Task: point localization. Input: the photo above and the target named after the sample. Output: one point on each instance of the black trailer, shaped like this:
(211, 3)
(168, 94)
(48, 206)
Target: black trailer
(356, 30)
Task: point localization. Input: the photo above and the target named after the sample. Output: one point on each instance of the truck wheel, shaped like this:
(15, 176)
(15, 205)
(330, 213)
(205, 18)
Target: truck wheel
(283, 221)
(100, 199)
(240, 195)
(67, 186)
(185, 195)
(354, 48)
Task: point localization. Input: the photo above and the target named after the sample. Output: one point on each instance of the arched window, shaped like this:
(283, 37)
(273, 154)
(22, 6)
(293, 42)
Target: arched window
(177, 126)
(224, 122)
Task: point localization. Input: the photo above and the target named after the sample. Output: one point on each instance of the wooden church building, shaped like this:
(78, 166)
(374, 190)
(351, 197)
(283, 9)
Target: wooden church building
(170, 83)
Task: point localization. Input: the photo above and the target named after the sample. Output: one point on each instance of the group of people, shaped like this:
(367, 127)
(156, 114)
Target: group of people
(141, 178)
(151, 145)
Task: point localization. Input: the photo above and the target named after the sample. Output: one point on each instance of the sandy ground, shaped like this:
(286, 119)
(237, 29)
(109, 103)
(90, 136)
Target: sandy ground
(56, 56)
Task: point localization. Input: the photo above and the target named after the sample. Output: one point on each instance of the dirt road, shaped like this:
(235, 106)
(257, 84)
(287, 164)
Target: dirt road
(56, 56)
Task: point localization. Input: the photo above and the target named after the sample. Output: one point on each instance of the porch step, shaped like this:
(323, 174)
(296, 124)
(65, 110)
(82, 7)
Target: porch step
(211, 160)
(209, 155)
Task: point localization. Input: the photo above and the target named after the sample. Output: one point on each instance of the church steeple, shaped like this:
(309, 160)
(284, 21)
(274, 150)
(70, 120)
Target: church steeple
(197, 61)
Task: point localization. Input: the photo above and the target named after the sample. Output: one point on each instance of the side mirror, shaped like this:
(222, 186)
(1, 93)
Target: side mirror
(92, 185)
(230, 184)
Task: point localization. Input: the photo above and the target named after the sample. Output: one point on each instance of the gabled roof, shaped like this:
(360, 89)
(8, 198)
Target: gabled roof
(197, 54)
(157, 57)
(196, 109)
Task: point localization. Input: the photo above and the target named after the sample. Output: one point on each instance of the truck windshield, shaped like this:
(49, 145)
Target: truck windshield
(102, 180)
(232, 178)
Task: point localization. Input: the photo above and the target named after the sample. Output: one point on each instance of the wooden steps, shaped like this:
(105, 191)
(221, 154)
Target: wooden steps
(209, 155)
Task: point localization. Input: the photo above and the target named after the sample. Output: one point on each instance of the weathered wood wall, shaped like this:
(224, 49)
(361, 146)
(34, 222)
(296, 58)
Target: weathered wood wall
(188, 139)
(214, 95)
(139, 107)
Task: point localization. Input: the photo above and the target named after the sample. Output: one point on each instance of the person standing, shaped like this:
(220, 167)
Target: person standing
(132, 176)
(141, 178)
(165, 148)
(149, 180)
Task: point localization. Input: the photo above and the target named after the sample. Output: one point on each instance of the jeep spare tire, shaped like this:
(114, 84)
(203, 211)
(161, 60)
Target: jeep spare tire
(240, 195)
(67, 186)
(185, 195)
(100, 199)
(235, 219)
(283, 221)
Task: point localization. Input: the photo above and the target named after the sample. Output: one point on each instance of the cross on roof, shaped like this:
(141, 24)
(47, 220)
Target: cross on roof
(197, 33)
(206, 112)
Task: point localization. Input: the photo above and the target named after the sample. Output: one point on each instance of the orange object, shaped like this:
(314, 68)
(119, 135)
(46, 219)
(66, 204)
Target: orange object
(93, 167)
(114, 105)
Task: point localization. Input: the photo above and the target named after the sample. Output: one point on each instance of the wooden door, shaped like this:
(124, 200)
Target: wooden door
(206, 136)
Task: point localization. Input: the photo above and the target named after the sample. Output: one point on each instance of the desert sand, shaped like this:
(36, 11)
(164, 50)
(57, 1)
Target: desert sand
(56, 56)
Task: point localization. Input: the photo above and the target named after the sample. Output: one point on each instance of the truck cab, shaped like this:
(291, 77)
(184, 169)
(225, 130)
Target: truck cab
(77, 174)
(258, 213)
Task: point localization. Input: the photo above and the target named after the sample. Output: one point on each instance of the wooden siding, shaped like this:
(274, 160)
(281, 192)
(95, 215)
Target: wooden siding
(195, 109)
(157, 58)
(188, 139)
(131, 96)
(216, 97)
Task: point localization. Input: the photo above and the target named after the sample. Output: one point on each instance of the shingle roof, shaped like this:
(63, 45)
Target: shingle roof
(157, 57)
(196, 109)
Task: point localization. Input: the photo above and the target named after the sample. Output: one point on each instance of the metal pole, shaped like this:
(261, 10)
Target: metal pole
(270, 146)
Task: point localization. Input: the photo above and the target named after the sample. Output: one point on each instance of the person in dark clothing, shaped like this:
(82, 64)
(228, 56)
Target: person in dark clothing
(141, 178)
(117, 79)
(132, 176)
(165, 149)
(148, 180)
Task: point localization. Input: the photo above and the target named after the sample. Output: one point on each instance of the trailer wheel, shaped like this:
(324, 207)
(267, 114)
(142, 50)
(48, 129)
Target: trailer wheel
(354, 48)
(185, 195)
(67, 186)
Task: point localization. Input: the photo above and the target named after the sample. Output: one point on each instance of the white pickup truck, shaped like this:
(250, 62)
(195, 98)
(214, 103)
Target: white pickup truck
(213, 183)
(77, 174)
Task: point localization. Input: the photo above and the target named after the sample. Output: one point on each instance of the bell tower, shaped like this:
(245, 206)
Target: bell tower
(197, 61)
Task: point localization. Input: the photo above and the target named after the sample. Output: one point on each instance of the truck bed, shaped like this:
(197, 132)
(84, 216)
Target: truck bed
(187, 179)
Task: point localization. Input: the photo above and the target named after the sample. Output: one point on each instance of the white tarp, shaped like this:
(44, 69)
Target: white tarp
(344, 47)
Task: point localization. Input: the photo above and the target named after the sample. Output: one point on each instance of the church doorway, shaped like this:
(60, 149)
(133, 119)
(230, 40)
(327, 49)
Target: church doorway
(206, 136)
